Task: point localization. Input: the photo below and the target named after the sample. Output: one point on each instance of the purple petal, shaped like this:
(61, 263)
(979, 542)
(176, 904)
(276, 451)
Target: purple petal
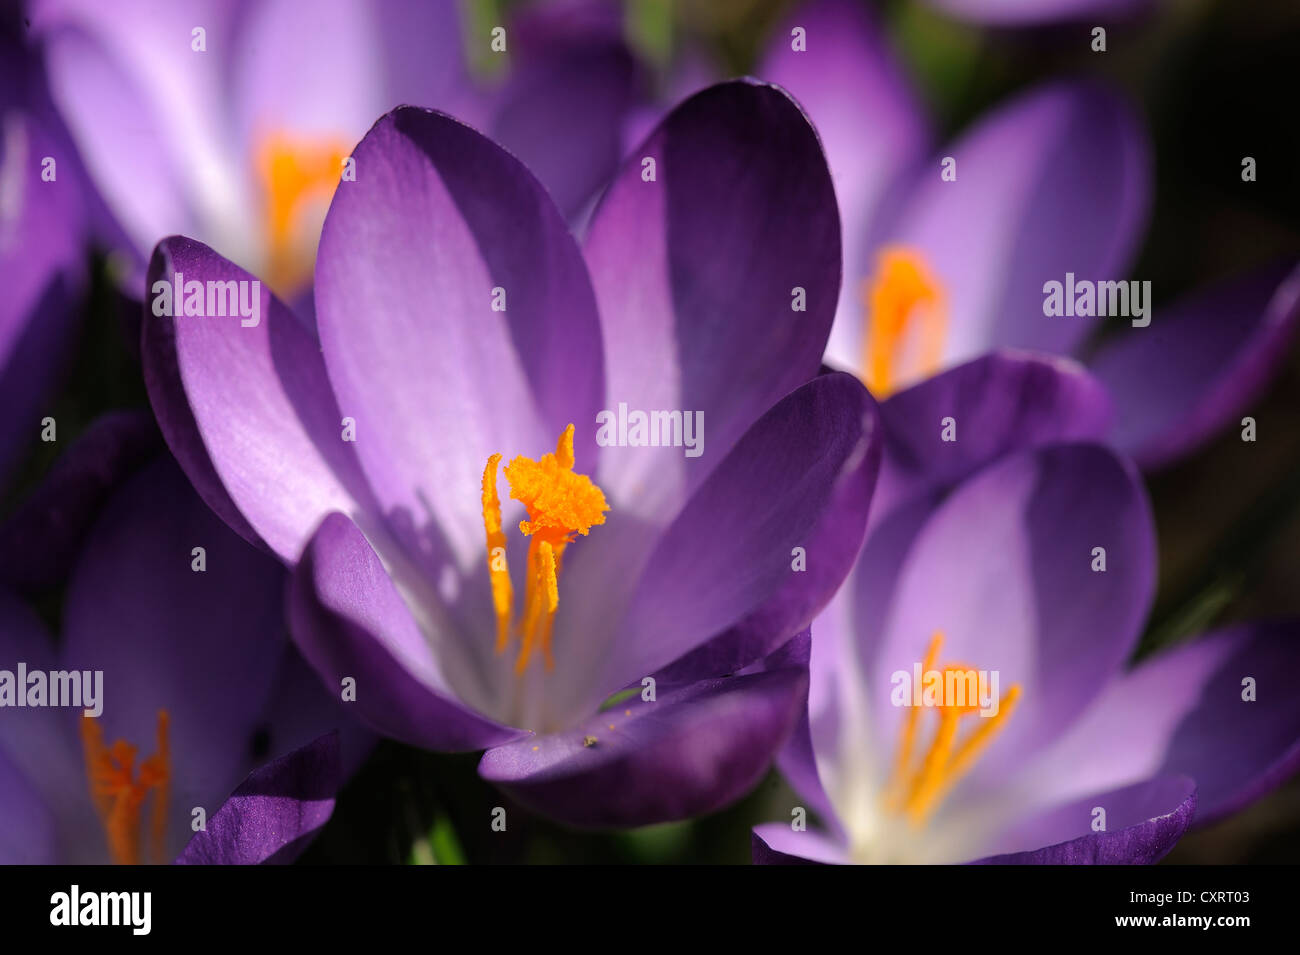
(1183, 712)
(27, 830)
(695, 273)
(775, 843)
(1200, 363)
(733, 545)
(1142, 822)
(349, 621)
(693, 750)
(248, 411)
(42, 538)
(330, 68)
(274, 813)
(440, 216)
(870, 122)
(1002, 402)
(38, 743)
(1004, 569)
(831, 547)
(42, 230)
(1055, 181)
(147, 111)
(564, 107)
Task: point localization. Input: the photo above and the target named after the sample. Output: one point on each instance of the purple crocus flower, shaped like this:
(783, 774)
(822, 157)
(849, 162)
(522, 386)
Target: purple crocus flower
(230, 122)
(1025, 550)
(200, 684)
(461, 332)
(954, 257)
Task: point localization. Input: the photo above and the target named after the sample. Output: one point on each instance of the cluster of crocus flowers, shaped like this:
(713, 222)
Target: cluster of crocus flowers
(947, 250)
(631, 634)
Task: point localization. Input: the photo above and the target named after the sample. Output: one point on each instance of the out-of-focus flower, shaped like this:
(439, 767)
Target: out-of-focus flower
(1051, 186)
(231, 122)
(460, 333)
(1025, 551)
(200, 684)
(43, 224)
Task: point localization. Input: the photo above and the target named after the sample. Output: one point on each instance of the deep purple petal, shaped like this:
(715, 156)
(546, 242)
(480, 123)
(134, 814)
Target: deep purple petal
(693, 750)
(1055, 181)
(436, 379)
(253, 408)
(695, 275)
(733, 545)
(1001, 403)
(870, 122)
(830, 548)
(564, 107)
(275, 812)
(1004, 569)
(1143, 821)
(1183, 712)
(349, 621)
(41, 539)
(1201, 363)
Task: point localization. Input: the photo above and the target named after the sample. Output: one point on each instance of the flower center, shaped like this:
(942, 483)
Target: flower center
(119, 791)
(919, 785)
(560, 504)
(298, 178)
(902, 293)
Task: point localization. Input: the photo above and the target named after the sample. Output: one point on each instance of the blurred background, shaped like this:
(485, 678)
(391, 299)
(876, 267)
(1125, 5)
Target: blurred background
(1214, 80)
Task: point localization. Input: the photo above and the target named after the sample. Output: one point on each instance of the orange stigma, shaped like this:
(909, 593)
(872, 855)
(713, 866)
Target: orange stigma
(902, 293)
(918, 786)
(560, 503)
(119, 792)
(298, 180)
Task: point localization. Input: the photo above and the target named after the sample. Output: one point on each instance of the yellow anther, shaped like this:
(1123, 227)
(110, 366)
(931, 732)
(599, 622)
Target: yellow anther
(560, 504)
(902, 291)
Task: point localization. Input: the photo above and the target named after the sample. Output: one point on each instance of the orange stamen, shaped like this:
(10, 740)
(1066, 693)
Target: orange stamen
(560, 504)
(119, 793)
(903, 289)
(916, 790)
(298, 177)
